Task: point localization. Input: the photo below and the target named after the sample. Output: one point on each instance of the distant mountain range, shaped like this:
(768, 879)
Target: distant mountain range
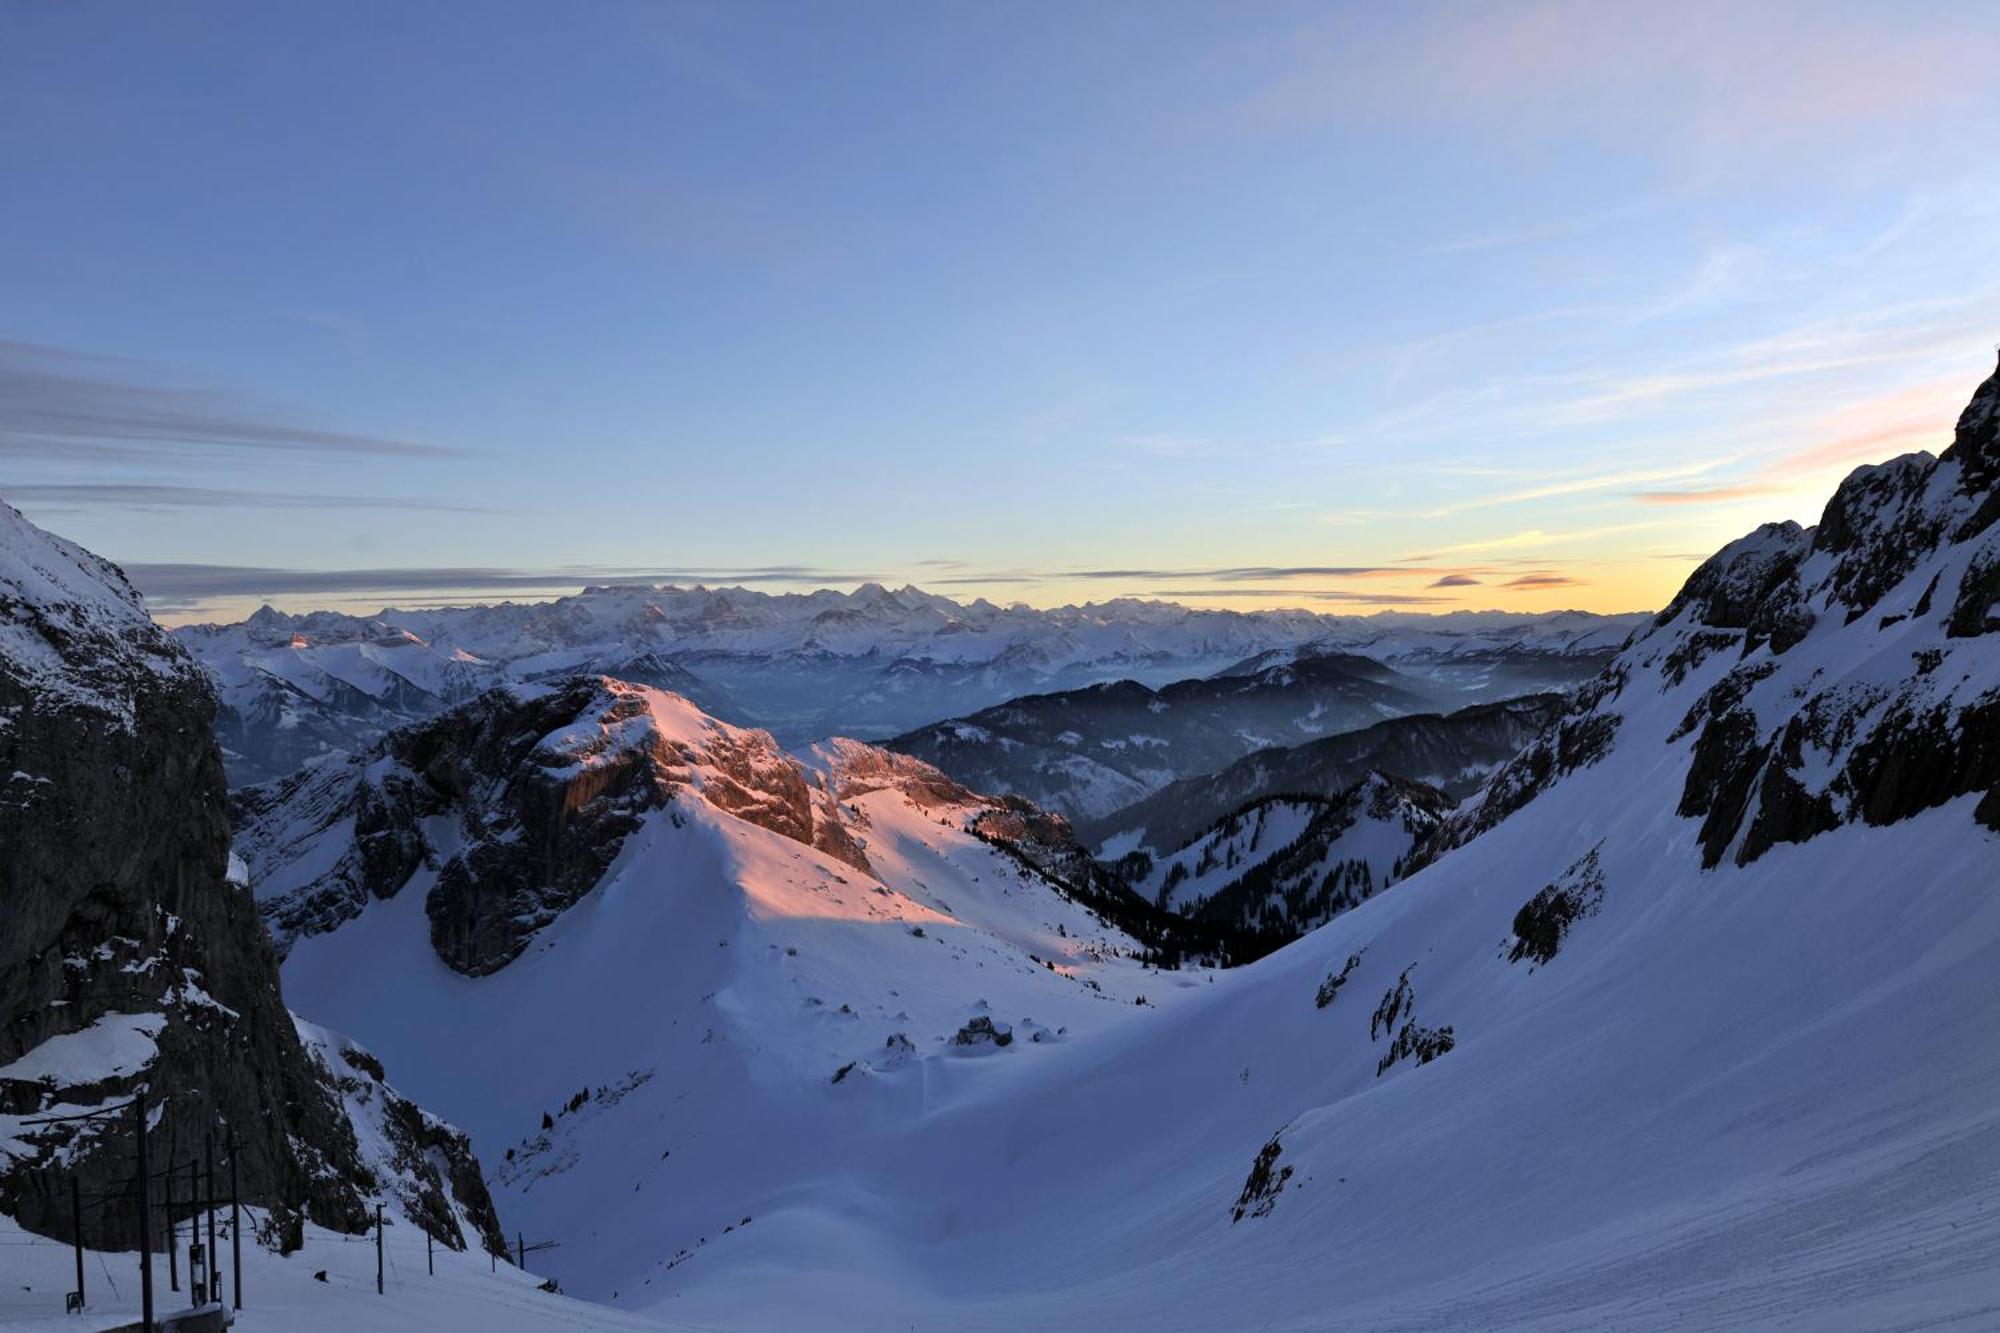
(872, 663)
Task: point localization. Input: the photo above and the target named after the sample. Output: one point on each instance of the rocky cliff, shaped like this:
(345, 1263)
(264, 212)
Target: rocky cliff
(131, 959)
(1863, 681)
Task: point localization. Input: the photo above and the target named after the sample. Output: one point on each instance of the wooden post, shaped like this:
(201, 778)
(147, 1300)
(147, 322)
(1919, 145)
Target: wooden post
(430, 1260)
(520, 1252)
(76, 1223)
(145, 1222)
(378, 1249)
(214, 1279)
(235, 1224)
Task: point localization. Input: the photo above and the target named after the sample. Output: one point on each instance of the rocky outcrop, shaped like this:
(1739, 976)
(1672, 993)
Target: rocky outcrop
(1845, 670)
(427, 1166)
(510, 808)
(1544, 921)
(130, 960)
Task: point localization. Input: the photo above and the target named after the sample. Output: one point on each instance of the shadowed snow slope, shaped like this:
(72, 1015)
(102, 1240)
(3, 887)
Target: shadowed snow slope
(777, 963)
(1565, 1077)
(1687, 1023)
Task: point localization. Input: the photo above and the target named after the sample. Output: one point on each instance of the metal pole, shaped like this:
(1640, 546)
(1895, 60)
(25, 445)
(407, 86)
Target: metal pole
(378, 1249)
(76, 1221)
(208, 1151)
(430, 1263)
(235, 1224)
(145, 1223)
(173, 1231)
(520, 1252)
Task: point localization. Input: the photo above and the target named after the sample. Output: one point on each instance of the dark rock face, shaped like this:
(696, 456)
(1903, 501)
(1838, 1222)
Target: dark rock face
(1975, 447)
(983, 1031)
(1329, 989)
(427, 1165)
(1265, 1183)
(1411, 1041)
(1420, 1044)
(116, 902)
(1580, 735)
(1747, 586)
(1860, 683)
(1544, 920)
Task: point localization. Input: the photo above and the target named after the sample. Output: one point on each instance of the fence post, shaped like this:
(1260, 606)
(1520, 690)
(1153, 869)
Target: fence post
(235, 1224)
(76, 1224)
(173, 1232)
(378, 1249)
(214, 1278)
(145, 1222)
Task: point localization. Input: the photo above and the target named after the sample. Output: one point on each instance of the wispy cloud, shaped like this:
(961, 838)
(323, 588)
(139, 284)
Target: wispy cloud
(1308, 594)
(75, 406)
(184, 583)
(72, 498)
(1706, 495)
(1237, 574)
(1455, 581)
(1544, 581)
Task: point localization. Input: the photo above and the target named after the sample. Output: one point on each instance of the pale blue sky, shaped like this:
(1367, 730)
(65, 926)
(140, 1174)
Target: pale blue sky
(1267, 304)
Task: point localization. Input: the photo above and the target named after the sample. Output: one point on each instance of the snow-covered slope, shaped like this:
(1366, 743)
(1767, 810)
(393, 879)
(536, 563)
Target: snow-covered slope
(870, 663)
(659, 968)
(1691, 1029)
(1086, 753)
(1454, 752)
(327, 1285)
(1688, 1027)
(1286, 864)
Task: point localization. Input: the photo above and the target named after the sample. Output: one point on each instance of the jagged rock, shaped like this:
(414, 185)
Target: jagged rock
(1264, 1184)
(1544, 920)
(1419, 1043)
(425, 1164)
(1399, 1000)
(1329, 990)
(983, 1031)
(1901, 570)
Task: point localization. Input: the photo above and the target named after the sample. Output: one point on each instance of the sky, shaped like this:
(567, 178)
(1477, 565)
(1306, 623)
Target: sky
(1348, 307)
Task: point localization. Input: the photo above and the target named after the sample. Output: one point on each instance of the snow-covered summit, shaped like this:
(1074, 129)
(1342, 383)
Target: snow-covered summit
(72, 627)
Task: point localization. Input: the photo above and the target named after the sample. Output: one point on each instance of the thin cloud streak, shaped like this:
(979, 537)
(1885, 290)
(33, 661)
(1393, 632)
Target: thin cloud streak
(81, 497)
(72, 406)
